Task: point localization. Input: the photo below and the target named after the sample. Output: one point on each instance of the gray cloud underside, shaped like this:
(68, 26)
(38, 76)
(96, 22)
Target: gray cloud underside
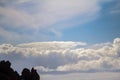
(82, 76)
(48, 57)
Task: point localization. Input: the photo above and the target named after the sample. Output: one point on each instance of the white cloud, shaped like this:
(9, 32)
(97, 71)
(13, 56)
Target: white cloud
(56, 45)
(63, 56)
(64, 9)
(47, 14)
(16, 18)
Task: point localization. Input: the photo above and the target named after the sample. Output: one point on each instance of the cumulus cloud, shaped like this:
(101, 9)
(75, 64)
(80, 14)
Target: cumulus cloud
(63, 56)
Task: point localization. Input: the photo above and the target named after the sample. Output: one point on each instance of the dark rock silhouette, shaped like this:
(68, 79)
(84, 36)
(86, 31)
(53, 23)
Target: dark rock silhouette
(34, 75)
(26, 74)
(7, 73)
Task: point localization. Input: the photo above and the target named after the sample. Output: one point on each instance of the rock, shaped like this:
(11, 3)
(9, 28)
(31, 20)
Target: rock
(7, 73)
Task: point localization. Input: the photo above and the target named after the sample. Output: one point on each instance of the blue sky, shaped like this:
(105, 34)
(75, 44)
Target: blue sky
(42, 20)
(62, 39)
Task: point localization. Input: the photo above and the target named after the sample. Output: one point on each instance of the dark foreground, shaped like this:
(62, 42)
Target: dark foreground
(7, 73)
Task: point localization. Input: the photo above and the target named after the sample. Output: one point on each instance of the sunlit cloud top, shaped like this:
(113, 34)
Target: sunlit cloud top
(68, 57)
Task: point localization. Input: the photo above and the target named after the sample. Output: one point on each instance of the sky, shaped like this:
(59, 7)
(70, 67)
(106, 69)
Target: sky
(62, 39)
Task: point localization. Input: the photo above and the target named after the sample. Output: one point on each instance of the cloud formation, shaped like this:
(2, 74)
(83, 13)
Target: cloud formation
(44, 12)
(64, 56)
(82, 76)
(43, 16)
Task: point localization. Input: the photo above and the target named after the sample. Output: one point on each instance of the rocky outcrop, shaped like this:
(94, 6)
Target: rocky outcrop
(7, 73)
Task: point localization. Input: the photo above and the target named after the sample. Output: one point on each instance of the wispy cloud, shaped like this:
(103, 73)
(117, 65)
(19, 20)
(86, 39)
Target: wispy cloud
(50, 16)
(116, 8)
(64, 56)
